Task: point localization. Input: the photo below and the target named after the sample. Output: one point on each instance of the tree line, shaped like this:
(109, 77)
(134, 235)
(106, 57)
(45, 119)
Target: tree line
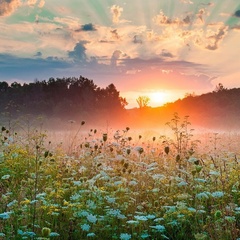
(60, 97)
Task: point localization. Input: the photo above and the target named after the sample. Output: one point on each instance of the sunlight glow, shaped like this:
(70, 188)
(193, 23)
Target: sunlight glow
(158, 98)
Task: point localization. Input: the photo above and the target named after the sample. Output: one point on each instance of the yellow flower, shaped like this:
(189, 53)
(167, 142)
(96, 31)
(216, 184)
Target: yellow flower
(25, 202)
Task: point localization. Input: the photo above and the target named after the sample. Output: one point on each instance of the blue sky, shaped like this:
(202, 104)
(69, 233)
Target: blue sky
(171, 46)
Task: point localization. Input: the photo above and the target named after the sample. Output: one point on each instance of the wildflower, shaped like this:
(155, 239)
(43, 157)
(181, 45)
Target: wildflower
(159, 228)
(110, 199)
(139, 150)
(132, 183)
(46, 231)
(85, 227)
(230, 219)
(5, 215)
(132, 222)
(91, 218)
(151, 216)
(125, 236)
(4, 177)
(218, 214)
(12, 203)
(214, 173)
(218, 194)
(158, 176)
(91, 235)
(202, 196)
(144, 235)
(54, 234)
(182, 183)
(141, 218)
(200, 180)
(200, 236)
(166, 150)
(105, 136)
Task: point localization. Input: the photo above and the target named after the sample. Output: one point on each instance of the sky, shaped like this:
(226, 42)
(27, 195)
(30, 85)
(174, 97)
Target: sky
(158, 48)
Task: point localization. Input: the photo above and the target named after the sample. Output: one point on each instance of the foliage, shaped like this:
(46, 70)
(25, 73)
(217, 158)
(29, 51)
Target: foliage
(111, 185)
(62, 97)
(143, 101)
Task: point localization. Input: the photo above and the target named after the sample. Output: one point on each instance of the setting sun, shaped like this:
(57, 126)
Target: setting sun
(158, 98)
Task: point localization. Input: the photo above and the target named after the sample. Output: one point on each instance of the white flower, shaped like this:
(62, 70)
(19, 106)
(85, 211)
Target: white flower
(85, 227)
(132, 183)
(151, 216)
(202, 195)
(5, 215)
(158, 176)
(82, 169)
(91, 235)
(141, 218)
(215, 173)
(12, 203)
(132, 222)
(91, 218)
(182, 183)
(159, 228)
(218, 194)
(125, 236)
(5, 177)
(54, 234)
(110, 199)
(139, 149)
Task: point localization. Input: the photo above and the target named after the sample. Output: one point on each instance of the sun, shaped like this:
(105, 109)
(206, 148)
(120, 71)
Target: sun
(158, 98)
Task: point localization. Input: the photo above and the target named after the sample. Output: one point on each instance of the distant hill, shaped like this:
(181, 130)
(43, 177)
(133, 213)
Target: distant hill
(217, 109)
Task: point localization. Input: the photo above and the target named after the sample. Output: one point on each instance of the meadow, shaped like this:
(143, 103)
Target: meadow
(118, 185)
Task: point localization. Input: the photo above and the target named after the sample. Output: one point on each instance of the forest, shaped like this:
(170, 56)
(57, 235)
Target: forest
(81, 99)
(66, 98)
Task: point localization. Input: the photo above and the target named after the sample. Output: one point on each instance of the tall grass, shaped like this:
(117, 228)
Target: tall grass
(111, 185)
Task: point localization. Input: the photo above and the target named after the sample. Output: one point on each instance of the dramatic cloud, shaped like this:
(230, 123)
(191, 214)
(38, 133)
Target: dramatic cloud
(87, 27)
(137, 39)
(217, 38)
(237, 14)
(115, 34)
(166, 54)
(116, 12)
(7, 7)
(39, 3)
(115, 56)
(31, 2)
(79, 52)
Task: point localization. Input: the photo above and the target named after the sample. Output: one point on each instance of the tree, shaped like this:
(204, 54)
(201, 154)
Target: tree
(220, 88)
(143, 101)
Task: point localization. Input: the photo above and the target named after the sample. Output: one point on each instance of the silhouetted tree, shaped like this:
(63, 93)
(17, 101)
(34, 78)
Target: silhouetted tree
(143, 101)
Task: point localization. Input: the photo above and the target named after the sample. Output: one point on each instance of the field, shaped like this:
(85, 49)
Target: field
(119, 185)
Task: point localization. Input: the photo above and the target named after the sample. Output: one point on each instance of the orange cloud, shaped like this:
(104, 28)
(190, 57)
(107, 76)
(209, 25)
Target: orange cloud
(116, 12)
(7, 7)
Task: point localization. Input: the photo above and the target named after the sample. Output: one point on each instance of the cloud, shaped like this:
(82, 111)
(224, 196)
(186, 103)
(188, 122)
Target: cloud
(166, 54)
(33, 3)
(86, 27)
(137, 39)
(115, 56)
(41, 3)
(38, 54)
(217, 38)
(79, 52)
(116, 12)
(237, 14)
(7, 7)
(115, 34)
(16, 67)
(186, 1)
